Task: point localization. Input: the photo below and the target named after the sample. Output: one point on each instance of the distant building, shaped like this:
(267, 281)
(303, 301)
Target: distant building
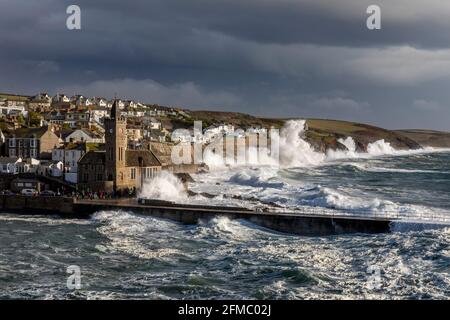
(82, 136)
(31, 143)
(69, 155)
(79, 119)
(61, 98)
(50, 168)
(40, 102)
(116, 169)
(9, 164)
(134, 133)
(17, 185)
(11, 105)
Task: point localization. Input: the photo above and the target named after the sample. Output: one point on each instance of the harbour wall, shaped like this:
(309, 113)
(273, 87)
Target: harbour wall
(293, 223)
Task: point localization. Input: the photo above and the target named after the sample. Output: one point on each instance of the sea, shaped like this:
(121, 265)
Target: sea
(123, 255)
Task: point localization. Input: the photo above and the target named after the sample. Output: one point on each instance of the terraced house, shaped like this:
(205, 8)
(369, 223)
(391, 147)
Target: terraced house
(31, 143)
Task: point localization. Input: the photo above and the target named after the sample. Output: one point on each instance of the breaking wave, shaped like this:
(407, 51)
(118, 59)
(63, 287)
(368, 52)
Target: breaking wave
(165, 186)
(296, 152)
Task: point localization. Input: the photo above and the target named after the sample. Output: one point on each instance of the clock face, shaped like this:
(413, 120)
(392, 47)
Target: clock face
(111, 130)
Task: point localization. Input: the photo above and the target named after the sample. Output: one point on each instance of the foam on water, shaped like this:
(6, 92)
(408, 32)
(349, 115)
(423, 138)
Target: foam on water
(285, 186)
(165, 186)
(127, 256)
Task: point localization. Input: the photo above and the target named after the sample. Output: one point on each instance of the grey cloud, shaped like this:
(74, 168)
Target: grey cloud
(183, 94)
(268, 57)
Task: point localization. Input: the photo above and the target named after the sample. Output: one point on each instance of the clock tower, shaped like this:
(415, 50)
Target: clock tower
(116, 146)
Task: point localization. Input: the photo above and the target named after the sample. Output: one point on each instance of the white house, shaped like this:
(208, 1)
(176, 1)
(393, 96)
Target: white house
(100, 102)
(69, 155)
(212, 132)
(120, 103)
(28, 165)
(60, 97)
(152, 123)
(8, 106)
(9, 164)
(50, 168)
(182, 135)
(83, 135)
(76, 98)
(42, 97)
(99, 113)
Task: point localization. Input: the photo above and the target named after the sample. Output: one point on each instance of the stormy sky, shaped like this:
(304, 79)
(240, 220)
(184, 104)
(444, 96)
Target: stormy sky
(283, 58)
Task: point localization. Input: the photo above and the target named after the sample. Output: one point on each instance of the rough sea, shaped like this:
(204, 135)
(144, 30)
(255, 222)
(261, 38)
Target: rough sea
(122, 255)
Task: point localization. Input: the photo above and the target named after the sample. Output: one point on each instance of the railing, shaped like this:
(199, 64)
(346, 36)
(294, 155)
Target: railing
(442, 218)
(411, 217)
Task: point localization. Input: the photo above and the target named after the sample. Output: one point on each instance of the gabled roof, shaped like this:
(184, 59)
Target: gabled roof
(6, 160)
(29, 132)
(141, 158)
(93, 157)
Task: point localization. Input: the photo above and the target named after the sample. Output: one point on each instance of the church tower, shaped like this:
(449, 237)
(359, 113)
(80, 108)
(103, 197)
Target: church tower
(116, 146)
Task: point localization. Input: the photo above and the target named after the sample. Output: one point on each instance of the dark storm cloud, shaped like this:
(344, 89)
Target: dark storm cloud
(270, 57)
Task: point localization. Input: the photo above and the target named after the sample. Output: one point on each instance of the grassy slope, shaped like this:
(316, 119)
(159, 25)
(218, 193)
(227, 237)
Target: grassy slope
(428, 138)
(323, 134)
(238, 119)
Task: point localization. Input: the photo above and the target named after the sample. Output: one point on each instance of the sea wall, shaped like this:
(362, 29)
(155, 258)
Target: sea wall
(306, 225)
(37, 205)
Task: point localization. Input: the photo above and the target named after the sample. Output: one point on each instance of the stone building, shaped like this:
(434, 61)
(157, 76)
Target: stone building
(31, 143)
(117, 168)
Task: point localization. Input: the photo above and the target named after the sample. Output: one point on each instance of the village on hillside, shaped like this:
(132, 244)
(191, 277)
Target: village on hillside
(55, 145)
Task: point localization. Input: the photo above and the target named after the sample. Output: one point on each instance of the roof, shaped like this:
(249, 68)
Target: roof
(29, 132)
(89, 133)
(141, 158)
(93, 157)
(157, 133)
(6, 160)
(74, 146)
(65, 133)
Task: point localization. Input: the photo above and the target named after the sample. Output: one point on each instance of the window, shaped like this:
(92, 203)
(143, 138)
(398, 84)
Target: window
(12, 142)
(99, 177)
(121, 176)
(33, 143)
(133, 173)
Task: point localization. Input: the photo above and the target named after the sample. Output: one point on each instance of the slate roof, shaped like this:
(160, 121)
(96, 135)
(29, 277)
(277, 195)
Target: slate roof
(6, 160)
(138, 158)
(93, 157)
(29, 132)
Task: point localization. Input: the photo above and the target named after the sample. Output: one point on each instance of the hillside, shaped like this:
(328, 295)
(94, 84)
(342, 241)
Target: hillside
(428, 138)
(323, 134)
(241, 120)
